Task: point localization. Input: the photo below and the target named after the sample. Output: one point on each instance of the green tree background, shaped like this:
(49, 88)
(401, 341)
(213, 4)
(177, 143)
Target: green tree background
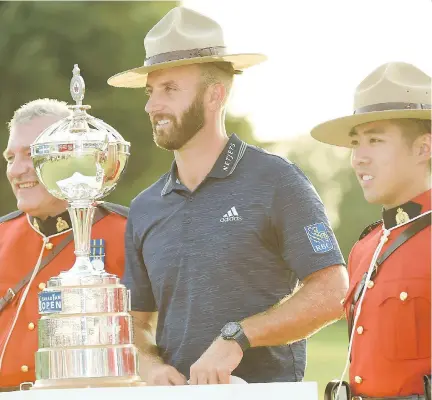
(328, 168)
(41, 41)
(39, 44)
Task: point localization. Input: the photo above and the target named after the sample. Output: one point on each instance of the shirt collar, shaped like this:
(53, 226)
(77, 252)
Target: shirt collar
(223, 167)
(51, 225)
(404, 212)
(170, 180)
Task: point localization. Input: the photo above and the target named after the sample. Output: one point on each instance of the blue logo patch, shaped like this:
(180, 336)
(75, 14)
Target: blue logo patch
(320, 239)
(50, 302)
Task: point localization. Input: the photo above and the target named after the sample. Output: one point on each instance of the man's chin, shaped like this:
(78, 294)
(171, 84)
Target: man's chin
(27, 210)
(162, 143)
(28, 206)
(166, 146)
(372, 198)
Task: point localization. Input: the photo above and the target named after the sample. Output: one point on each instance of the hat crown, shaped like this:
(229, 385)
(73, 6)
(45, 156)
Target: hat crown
(394, 82)
(395, 90)
(183, 29)
(183, 37)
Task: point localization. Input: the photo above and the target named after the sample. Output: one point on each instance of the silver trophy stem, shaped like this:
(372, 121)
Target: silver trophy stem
(82, 214)
(85, 330)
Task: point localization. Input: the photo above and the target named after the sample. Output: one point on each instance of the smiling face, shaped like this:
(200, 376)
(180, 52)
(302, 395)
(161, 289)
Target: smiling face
(176, 105)
(390, 169)
(32, 197)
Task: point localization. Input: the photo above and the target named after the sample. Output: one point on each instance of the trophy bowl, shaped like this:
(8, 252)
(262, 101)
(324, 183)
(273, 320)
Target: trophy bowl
(85, 334)
(80, 159)
(80, 166)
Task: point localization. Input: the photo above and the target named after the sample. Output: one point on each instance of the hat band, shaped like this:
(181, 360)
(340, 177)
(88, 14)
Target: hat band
(391, 107)
(185, 54)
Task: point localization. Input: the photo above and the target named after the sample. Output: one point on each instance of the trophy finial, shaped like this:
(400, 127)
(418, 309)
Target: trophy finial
(77, 86)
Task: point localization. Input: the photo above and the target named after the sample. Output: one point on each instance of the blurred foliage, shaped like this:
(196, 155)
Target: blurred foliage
(327, 352)
(328, 168)
(41, 41)
(39, 44)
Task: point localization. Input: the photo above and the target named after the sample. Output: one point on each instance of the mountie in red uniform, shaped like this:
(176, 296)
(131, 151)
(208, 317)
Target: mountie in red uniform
(391, 350)
(22, 240)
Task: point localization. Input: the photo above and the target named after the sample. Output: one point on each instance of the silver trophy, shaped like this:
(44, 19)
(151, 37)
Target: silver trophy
(85, 330)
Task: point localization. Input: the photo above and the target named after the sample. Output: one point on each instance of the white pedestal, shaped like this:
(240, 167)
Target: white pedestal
(261, 391)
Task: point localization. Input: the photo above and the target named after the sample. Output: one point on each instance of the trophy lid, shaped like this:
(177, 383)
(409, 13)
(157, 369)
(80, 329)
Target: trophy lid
(79, 126)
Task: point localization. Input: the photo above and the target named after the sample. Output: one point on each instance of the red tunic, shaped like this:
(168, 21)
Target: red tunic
(20, 246)
(392, 343)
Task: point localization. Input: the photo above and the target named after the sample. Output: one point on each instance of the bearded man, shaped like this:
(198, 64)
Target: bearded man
(218, 247)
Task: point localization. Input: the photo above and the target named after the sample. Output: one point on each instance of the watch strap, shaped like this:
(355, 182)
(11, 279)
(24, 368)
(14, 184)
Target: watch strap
(242, 339)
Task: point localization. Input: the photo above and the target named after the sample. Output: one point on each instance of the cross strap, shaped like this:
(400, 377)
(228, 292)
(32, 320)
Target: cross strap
(417, 226)
(12, 292)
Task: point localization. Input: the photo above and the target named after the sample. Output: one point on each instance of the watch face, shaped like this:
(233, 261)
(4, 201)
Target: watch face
(230, 329)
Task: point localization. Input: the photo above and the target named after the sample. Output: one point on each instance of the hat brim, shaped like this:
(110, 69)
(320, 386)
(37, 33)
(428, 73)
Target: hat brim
(137, 77)
(336, 131)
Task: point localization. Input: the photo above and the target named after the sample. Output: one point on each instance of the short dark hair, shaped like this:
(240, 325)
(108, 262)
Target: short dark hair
(218, 72)
(412, 128)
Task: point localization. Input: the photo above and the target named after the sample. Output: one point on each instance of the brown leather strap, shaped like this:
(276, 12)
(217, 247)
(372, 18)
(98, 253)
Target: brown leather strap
(12, 292)
(332, 388)
(184, 54)
(391, 107)
(9, 389)
(408, 233)
(412, 397)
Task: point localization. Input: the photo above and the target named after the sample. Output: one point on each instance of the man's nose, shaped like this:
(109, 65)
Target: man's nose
(20, 167)
(359, 156)
(153, 106)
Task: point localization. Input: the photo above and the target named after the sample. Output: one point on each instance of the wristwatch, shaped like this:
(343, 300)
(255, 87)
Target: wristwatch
(234, 331)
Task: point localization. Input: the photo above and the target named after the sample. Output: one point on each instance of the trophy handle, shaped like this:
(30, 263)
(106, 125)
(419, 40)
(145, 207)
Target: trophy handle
(82, 215)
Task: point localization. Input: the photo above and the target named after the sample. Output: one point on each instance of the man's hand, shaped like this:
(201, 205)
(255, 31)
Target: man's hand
(217, 363)
(165, 375)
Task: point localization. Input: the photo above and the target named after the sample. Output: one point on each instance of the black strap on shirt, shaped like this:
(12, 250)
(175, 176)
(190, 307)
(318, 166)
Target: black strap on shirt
(12, 215)
(100, 212)
(417, 226)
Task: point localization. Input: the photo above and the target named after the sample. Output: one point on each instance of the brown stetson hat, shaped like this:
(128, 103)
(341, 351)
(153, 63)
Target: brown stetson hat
(183, 37)
(393, 90)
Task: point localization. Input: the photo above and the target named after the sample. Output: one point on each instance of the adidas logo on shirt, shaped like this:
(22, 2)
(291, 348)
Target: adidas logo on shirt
(231, 215)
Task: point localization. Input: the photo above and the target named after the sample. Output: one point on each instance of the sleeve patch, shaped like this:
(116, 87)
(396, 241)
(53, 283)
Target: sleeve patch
(319, 238)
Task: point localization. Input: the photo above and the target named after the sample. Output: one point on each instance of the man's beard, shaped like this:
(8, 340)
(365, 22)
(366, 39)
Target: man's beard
(180, 132)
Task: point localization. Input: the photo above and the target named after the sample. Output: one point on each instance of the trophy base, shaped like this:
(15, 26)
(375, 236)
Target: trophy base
(67, 279)
(74, 383)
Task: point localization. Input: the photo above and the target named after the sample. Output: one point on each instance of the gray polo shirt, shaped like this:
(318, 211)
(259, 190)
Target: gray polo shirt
(233, 248)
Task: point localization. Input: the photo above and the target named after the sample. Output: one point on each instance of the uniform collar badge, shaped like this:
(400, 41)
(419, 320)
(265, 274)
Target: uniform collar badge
(61, 224)
(401, 216)
(51, 225)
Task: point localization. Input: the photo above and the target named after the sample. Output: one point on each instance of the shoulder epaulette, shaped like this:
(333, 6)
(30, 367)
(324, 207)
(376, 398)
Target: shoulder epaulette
(369, 229)
(12, 215)
(115, 208)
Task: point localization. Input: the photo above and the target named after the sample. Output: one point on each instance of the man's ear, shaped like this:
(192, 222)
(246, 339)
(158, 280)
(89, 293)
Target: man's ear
(216, 96)
(422, 147)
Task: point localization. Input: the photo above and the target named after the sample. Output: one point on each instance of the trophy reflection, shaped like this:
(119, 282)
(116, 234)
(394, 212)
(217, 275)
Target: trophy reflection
(85, 330)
